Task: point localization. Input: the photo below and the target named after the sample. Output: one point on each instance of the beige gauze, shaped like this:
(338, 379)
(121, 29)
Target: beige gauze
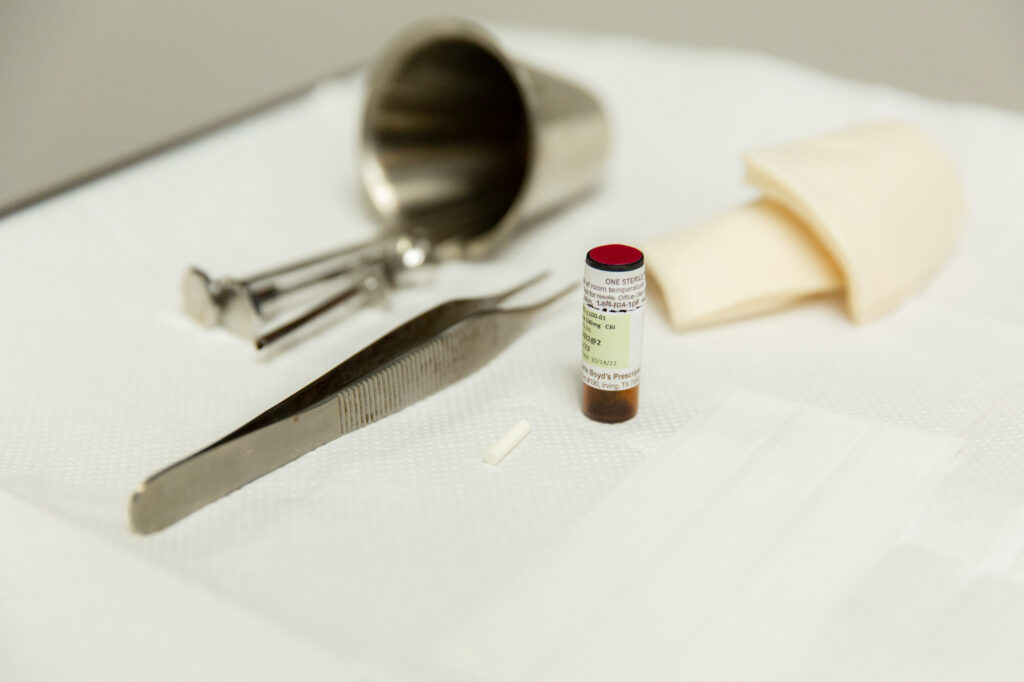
(874, 210)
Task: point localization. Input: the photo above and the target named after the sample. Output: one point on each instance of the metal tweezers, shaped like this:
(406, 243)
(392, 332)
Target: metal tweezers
(413, 361)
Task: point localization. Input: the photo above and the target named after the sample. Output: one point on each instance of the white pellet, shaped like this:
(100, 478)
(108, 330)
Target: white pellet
(497, 452)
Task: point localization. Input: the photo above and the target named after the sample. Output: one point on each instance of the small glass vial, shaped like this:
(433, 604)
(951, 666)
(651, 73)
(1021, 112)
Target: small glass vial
(614, 293)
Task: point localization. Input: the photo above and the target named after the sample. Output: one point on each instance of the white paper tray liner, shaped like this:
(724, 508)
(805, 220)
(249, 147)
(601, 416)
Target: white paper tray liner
(720, 557)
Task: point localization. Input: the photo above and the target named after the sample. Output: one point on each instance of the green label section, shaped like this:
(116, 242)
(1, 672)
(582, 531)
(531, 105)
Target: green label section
(606, 339)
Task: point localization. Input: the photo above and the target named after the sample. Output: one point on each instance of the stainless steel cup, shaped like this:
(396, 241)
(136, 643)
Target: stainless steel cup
(461, 143)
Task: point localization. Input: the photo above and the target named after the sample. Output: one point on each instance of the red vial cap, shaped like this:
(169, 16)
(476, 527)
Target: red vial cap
(615, 257)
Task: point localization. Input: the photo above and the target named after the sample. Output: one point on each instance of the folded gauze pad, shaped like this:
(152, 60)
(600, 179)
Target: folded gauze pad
(746, 261)
(873, 209)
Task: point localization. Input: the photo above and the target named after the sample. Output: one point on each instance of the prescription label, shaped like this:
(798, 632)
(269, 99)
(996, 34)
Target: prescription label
(613, 322)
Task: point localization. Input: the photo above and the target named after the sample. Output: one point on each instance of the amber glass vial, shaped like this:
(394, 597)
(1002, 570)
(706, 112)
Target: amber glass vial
(614, 293)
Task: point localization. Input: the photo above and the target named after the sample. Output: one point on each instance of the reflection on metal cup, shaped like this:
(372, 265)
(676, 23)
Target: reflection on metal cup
(461, 144)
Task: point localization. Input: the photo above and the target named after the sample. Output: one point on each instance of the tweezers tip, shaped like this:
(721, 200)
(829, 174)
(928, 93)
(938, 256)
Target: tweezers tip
(139, 519)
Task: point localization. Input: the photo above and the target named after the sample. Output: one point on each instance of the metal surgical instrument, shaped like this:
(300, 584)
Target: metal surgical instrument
(413, 361)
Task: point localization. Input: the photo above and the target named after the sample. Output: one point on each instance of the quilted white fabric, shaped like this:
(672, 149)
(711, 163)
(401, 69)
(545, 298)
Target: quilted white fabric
(384, 542)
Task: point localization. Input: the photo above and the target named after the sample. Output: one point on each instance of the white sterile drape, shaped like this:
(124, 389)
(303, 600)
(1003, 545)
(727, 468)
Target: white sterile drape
(385, 544)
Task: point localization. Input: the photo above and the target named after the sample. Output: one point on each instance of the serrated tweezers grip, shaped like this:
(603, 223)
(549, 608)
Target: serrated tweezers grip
(449, 357)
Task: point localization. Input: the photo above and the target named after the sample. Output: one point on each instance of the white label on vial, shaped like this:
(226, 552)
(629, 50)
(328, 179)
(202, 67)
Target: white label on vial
(613, 327)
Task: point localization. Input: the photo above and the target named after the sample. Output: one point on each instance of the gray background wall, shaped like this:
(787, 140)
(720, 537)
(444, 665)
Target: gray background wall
(88, 83)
